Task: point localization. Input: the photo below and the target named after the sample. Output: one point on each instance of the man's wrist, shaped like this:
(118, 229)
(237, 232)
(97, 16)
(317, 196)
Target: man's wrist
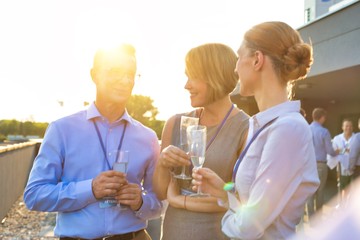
(92, 189)
(139, 205)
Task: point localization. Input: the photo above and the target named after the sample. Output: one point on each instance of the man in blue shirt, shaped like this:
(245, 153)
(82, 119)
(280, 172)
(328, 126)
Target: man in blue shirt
(73, 170)
(354, 154)
(322, 146)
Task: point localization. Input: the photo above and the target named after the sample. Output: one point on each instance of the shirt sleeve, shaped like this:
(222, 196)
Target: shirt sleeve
(328, 144)
(286, 151)
(354, 154)
(44, 190)
(152, 206)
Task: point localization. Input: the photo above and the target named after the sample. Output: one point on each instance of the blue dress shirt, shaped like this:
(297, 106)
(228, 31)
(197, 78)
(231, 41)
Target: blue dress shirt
(322, 142)
(70, 157)
(355, 151)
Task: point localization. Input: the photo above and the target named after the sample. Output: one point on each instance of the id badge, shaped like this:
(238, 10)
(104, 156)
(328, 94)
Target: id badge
(107, 202)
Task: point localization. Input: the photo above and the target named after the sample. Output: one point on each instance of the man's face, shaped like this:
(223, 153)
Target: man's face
(114, 77)
(322, 119)
(347, 127)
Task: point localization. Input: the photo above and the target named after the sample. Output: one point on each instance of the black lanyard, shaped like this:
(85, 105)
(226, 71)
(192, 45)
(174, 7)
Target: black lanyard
(102, 143)
(242, 155)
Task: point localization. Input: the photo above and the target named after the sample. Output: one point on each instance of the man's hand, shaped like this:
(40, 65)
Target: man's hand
(131, 195)
(108, 184)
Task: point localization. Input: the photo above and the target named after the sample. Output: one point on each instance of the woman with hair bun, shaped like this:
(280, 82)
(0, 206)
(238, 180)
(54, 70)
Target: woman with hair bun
(276, 172)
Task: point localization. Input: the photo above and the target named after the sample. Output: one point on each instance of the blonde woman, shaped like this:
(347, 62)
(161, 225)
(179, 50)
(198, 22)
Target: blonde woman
(211, 79)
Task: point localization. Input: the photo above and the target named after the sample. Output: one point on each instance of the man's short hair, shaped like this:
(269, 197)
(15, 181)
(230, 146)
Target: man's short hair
(318, 113)
(346, 120)
(102, 55)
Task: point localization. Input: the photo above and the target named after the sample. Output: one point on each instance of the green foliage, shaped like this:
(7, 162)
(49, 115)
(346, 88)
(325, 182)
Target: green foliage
(157, 126)
(139, 107)
(142, 109)
(2, 137)
(14, 127)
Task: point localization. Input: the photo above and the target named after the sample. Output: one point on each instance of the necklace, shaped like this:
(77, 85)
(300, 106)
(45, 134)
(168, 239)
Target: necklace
(219, 127)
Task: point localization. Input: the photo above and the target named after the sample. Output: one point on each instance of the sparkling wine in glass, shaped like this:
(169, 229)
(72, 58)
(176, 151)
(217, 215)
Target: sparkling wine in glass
(197, 148)
(120, 161)
(183, 143)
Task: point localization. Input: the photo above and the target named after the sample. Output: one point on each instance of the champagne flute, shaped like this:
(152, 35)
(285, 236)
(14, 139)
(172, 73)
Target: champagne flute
(197, 148)
(183, 144)
(121, 160)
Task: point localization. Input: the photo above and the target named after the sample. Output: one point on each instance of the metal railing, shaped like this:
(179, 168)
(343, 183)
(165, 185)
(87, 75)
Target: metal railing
(15, 164)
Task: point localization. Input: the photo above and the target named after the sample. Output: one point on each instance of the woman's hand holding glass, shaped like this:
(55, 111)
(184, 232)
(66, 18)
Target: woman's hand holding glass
(172, 157)
(210, 183)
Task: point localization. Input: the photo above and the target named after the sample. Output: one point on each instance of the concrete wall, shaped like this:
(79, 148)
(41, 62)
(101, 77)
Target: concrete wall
(335, 39)
(15, 164)
(335, 74)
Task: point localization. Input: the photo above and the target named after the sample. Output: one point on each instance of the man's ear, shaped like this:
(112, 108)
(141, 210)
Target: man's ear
(93, 74)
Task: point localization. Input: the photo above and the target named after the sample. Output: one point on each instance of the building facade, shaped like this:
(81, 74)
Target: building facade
(333, 82)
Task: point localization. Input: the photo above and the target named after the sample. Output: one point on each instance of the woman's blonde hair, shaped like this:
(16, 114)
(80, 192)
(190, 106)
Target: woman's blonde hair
(213, 63)
(291, 57)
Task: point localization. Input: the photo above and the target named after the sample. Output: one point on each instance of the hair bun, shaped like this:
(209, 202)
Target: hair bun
(297, 61)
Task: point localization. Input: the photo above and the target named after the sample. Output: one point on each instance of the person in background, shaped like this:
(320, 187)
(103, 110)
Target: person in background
(303, 112)
(343, 142)
(211, 79)
(276, 172)
(354, 154)
(73, 171)
(323, 147)
(344, 222)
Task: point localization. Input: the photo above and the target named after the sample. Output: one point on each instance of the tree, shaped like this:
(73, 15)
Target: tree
(9, 127)
(139, 107)
(14, 127)
(142, 109)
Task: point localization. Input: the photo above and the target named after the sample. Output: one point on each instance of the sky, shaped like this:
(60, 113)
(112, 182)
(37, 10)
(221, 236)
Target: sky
(47, 47)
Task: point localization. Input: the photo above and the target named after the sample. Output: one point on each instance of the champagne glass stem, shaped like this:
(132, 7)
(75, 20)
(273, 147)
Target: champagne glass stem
(199, 190)
(183, 171)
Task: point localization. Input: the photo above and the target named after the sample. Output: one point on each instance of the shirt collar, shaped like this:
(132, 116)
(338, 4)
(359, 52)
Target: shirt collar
(343, 137)
(262, 118)
(93, 113)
